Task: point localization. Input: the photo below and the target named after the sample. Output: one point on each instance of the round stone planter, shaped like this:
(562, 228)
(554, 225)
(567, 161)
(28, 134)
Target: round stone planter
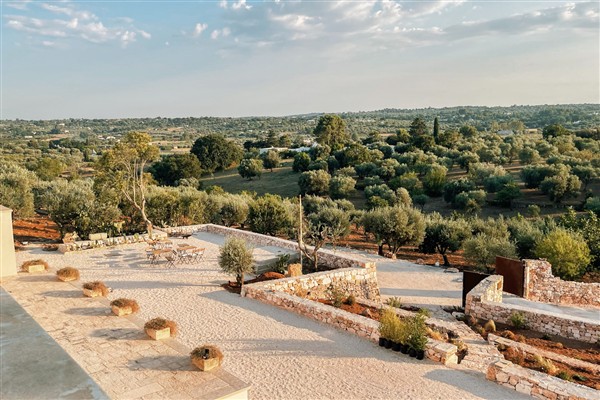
(206, 364)
(121, 311)
(159, 334)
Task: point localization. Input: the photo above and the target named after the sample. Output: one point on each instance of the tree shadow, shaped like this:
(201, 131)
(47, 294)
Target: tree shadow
(162, 363)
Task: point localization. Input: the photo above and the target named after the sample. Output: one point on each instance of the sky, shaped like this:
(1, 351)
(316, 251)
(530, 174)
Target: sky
(118, 59)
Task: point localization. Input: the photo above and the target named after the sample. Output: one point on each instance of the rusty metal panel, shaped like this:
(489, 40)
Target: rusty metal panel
(513, 272)
(470, 280)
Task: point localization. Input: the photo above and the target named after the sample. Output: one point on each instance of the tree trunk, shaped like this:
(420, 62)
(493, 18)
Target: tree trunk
(446, 262)
(316, 261)
(380, 250)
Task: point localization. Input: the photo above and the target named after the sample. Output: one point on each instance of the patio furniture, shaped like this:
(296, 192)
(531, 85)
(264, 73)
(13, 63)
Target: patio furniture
(171, 258)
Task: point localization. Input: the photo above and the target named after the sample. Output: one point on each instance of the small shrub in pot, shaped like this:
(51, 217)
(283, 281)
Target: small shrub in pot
(123, 306)
(160, 328)
(34, 266)
(206, 357)
(388, 324)
(95, 289)
(418, 336)
(67, 274)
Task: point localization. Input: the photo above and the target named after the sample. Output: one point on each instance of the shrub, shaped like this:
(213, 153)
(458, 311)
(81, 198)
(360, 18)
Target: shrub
(567, 251)
(533, 210)
(341, 186)
(97, 286)
(161, 323)
(482, 250)
(314, 182)
(517, 319)
(68, 273)
(350, 300)
(29, 263)
(564, 375)
(280, 266)
(122, 303)
(490, 326)
(388, 323)
(395, 302)
(336, 296)
(545, 365)
(207, 351)
(418, 332)
(400, 332)
(435, 335)
(236, 258)
(424, 312)
(301, 162)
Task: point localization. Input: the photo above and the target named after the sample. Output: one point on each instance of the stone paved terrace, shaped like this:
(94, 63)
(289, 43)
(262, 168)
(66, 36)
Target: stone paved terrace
(114, 351)
(281, 354)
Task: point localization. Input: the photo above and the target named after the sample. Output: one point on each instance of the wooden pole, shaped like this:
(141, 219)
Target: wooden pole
(300, 226)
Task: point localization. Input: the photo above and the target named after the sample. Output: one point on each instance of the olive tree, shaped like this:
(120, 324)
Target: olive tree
(443, 235)
(250, 167)
(314, 182)
(236, 258)
(328, 225)
(271, 160)
(341, 186)
(482, 250)
(567, 251)
(395, 227)
(270, 215)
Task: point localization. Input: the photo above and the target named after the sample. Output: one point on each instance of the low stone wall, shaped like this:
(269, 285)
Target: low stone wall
(537, 384)
(541, 285)
(485, 302)
(110, 242)
(360, 282)
(331, 258)
(356, 324)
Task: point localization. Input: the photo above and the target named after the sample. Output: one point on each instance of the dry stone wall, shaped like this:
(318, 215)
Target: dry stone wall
(541, 285)
(537, 384)
(485, 302)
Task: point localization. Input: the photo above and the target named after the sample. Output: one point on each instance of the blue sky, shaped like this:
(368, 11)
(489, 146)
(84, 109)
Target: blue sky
(112, 59)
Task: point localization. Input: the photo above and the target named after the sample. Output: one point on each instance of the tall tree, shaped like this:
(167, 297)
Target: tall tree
(436, 129)
(123, 167)
(419, 135)
(175, 167)
(216, 153)
(331, 131)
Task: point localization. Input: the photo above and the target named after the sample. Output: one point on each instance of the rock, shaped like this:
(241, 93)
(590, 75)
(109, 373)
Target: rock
(437, 264)
(419, 261)
(367, 313)
(458, 315)
(452, 270)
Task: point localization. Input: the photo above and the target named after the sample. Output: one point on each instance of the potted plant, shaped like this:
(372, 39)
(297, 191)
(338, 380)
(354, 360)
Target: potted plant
(401, 336)
(160, 328)
(124, 306)
(417, 340)
(385, 326)
(95, 289)
(206, 357)
(34, 266)
(67, 274)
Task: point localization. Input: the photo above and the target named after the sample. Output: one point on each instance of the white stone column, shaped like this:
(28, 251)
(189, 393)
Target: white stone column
(8, 263)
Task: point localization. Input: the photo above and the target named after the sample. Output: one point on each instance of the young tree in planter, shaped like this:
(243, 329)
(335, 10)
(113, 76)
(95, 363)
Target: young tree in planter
(328, 225)
(236, 258)
(443, 235)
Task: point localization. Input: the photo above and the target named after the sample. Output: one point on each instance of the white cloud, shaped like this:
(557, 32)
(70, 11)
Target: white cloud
(240, 5)
(198, 29)
(48, 43)
(215, 34)
(75, 23)
(223, 4)
(18, 5)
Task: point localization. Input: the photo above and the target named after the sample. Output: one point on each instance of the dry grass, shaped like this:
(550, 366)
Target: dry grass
(435, 335)
(490, 326)
(95, 286)
(545, 365)
(68, 272)
(122, 303)
(161, 323)
(207, 351)
(29, 263)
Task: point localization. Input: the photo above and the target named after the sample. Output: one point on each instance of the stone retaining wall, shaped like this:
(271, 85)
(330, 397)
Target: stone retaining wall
(331, 258)
(360, 282)
(356, 324)
(110, 242)
(485, 302)
(537, 384)
(541, 285)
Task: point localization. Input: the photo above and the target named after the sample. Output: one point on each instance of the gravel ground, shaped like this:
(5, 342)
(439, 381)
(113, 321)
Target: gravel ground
(281, 354)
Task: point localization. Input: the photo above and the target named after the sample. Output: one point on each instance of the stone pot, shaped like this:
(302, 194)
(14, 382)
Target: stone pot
(420, 354)
(120, 311)
(159, 334)
(36, 268)
(382, 341)
(206, 364)
(412, 352)
(92, 293)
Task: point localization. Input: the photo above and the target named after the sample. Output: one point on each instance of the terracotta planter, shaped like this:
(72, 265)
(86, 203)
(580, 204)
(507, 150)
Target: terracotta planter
(66, 278)
(92, 293)
(120, 311)
(159, 334)
(206, 364)
(36, 268)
